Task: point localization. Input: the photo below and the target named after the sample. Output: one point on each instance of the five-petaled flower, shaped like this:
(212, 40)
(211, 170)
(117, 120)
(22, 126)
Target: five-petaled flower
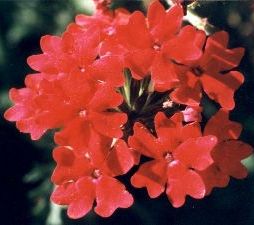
(179, 152)
(88, 175)
(227, 154)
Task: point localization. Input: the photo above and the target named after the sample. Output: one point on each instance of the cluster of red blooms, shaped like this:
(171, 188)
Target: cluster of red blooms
(117, 86)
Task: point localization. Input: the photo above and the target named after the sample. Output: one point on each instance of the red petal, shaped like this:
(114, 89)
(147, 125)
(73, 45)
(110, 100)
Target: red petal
(222, 37)
(76, 90)
(195, 152)
(168, 131)
(217, 57)
(110, 195)
(76, 133)
(121, 16)
(190, 51)
(228, 156)
(30, 126)
(33, 81)
(112, 46)
(221, 87)
(191, 130)
(85, 47)
(69, 167)
(21, 95)
(63, 155)
(50, 43)
(139, 62)
(162, 121)
(189, 92)
(64, 194)
(153, 176)
(41, 63)
(163, 73)
(220, 126)
(120, 160)
(78, 196)
(105, 97)
(135, 35)
(182, 182)
(144, 142)
(167, 127)
(156, 14)
(171, 133)
(214, 177)
(84, 198)
(108, 123)
(108, 69)
(164, 25)
(16, 113)
(89, 21)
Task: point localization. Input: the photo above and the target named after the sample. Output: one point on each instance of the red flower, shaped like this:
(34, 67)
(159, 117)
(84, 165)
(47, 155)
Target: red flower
(71, 81)
(80, 90)
(25, 110)
(88, 176)
(227, 154)
(212, 74)
(92, 107)
(153, 45)
(104, 18)
(179, 153)
(71, 97)
(75, 50)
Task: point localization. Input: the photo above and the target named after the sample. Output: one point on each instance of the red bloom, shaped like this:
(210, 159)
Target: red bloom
(178, 153)
(212, 74)
(88, 176)
(227, 154)
(71, 81)
(84, 89)
(153, 45)
(104, 18)
(56, 103)
(75, 50)
(92, 107)
(25, 110)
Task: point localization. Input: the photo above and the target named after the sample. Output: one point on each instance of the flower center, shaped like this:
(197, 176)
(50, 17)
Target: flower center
(83, 113)
(198, 71)
(87, 156)
(156, 47)
(96, 173)
(82, 69)
(168, 157)
(111, 30)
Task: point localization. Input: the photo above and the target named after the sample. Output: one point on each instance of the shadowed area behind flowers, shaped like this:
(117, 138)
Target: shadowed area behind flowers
(26, 166)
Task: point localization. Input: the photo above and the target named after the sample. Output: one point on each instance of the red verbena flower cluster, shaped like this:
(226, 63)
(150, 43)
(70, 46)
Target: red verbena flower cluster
(124, 89)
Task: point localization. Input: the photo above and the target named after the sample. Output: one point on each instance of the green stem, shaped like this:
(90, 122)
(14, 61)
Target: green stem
(126, 87)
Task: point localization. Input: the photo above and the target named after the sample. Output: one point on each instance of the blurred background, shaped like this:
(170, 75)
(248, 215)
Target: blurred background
(26, 166)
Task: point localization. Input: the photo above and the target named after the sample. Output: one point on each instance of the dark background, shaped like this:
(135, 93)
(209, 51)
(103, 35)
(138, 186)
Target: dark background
(25, 166)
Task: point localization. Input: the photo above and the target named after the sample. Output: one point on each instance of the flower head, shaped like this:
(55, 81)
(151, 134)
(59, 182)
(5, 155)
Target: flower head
(87, 176)
(117, 88)
(212, 73)
(179, 152)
